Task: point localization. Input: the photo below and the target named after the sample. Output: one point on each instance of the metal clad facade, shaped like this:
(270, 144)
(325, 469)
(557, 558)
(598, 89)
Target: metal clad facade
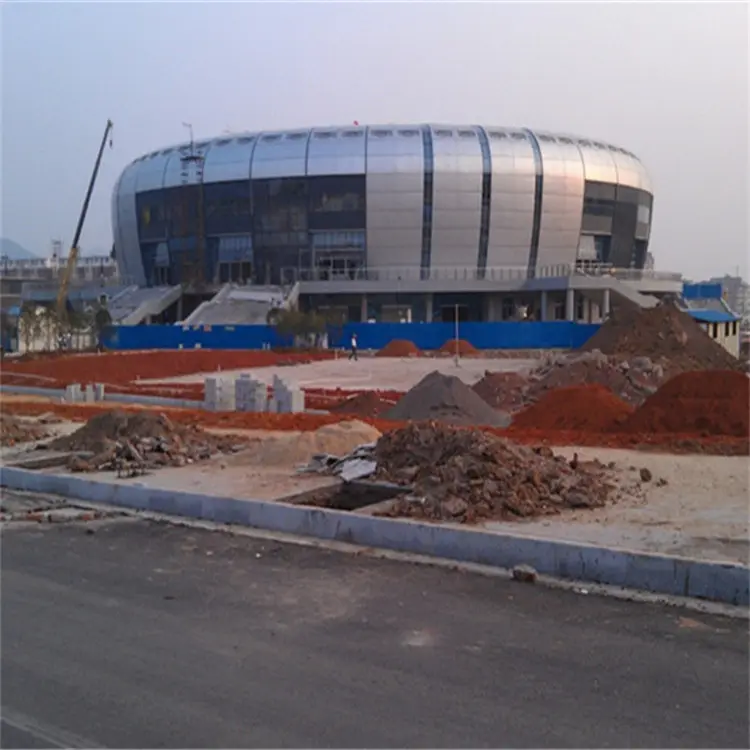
(457, 196)
(395, 196)
(562, 203)
(436, 196)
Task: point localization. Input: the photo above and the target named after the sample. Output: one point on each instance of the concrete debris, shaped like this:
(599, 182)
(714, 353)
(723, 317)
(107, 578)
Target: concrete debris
(467, 476)
(132, 444)
(14, 430)
(524, 574)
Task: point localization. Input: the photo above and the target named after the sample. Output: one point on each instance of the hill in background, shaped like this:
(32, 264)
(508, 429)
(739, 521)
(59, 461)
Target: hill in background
(14, 251)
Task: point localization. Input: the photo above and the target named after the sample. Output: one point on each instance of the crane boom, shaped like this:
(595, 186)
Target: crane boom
(62, 294)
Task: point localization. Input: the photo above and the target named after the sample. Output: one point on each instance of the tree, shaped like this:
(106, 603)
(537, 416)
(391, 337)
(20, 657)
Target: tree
(29, 328)
(303, 328)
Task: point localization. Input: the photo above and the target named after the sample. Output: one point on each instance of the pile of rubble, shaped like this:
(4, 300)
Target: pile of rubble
(468, 475)
(448, 399)
(666, 334)
(633, 380)
(14, 430)
(132, 443)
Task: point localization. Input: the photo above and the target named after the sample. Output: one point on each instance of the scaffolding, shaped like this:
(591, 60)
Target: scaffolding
(192, 268)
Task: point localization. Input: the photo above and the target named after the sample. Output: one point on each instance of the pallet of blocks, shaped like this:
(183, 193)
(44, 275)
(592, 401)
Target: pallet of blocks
(219, 394)
(250, 394)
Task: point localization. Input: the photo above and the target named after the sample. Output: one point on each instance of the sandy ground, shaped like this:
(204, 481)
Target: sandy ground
(702, 512)
(213, 477)
(369, 372)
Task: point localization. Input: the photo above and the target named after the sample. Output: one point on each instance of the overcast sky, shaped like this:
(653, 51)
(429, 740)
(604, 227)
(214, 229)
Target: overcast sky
(669, 82)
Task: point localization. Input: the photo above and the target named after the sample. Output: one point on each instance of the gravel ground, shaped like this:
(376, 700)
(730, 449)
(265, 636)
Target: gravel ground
(370, 372)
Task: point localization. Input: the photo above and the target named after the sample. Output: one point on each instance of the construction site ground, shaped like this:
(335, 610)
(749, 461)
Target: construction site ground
(694, 506)
(701, 512)
(398, 374)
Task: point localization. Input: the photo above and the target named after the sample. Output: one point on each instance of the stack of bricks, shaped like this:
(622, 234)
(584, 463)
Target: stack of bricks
(286, 400)
(219, 394)
(250, 394)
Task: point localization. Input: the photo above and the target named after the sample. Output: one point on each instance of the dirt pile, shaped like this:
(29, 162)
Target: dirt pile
(468, 475)
(458, 346)
(447, 399)
(503, 390)
(294, 449)
(663, 333)
(632, 380)
(366, 404)
(704, 403)
(14, 430)
(399, 348)
(588, 408)
(135, 442)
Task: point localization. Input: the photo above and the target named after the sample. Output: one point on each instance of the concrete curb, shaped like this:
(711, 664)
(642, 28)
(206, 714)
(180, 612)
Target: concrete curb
(123, 398)
(661, 574)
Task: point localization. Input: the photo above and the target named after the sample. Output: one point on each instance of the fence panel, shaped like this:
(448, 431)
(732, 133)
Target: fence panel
(427, 336)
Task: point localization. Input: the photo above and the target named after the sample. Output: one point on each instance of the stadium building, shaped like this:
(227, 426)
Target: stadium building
(391, 222)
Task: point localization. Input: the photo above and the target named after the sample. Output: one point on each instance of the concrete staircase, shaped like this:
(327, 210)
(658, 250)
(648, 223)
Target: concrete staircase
(243, 305)
(135, 304)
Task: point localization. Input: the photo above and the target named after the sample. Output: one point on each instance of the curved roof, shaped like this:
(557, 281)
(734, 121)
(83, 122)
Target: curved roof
(228, 155)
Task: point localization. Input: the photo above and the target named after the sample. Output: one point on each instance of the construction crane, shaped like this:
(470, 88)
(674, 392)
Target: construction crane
(62, 294)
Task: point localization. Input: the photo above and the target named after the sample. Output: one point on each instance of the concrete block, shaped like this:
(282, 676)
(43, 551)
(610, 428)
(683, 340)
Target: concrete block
(88, 395)
(99, 391)
(661, 574)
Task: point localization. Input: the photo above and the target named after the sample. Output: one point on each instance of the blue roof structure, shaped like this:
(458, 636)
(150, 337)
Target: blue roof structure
(712, 316)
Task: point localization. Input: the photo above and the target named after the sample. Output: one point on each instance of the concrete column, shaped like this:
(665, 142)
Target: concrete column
(543, 310)
(570, 304)
(605, 303)
(428, 308)
(363, 308)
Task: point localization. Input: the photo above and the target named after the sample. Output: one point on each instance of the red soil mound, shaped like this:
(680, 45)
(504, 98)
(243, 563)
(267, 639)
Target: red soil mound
(366, 404)
(588, 408)
(458, 346)
(704, 403)
(399, 348)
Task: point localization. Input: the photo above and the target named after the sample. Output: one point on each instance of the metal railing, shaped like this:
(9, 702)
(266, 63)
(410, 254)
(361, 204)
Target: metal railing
(472, 273)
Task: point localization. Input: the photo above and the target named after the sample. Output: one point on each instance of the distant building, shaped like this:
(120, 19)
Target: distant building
(736, 293)
(27, 279)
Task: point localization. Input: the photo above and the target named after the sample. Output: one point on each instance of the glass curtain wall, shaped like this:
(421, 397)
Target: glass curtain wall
(337, 225)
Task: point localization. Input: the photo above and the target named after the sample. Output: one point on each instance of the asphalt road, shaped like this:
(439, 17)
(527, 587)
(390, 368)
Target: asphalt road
(148, 635)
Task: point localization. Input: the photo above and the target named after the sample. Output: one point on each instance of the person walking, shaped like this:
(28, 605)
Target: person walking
(353, 344)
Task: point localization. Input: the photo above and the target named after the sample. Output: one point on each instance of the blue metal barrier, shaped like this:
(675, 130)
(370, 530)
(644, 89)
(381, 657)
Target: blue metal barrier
(506, 335)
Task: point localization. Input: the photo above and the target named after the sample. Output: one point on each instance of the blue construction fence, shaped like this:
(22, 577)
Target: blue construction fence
(506, 335)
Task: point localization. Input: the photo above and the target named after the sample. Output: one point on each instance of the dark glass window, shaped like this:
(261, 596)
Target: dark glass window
(336, 202)
(484, 221)
(150, 207)
(280, 241)
(538, 197)
(429, 167)
(227, 207)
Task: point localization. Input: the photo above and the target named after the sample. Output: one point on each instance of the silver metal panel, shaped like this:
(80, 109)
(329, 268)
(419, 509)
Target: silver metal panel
(280, 154)
(129, 252)
(396, 201)
(229, 159)
(337, 151)
(598, 162)
(562, 201)
(150, 172)
(512, 198)
(457, 197)
(630, 171)
(395, 192)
